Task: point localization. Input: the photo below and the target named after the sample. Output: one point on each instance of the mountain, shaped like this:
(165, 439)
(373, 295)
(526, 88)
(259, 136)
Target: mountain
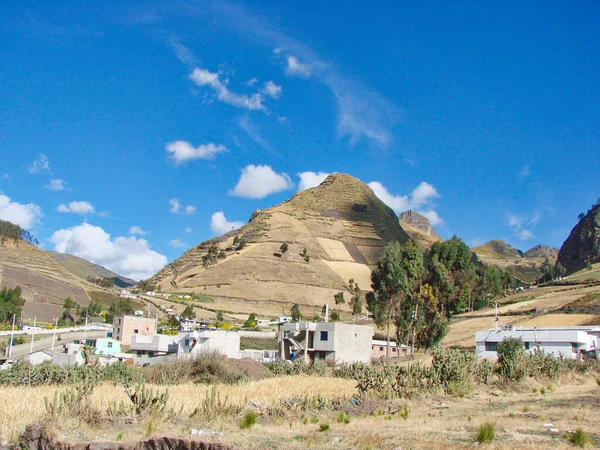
(334, 232)
(497, 249)
(583, 244)
(526, 266)
(542, 251)
(419, 228)
(43, 282)
(84, 269)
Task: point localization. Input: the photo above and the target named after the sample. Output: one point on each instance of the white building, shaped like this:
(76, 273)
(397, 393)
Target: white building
(153, 346)
(568, 342)
(193, 343)
(329, 341)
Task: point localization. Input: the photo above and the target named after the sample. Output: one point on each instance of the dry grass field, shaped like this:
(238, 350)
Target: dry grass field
(521, 415)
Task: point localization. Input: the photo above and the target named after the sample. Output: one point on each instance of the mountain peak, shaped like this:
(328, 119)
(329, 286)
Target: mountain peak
(419, 222)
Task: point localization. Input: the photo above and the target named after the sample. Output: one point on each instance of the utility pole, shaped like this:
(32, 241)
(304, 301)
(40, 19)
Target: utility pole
(85, 326)
(12, 335)
(32, 336)
(54, 334)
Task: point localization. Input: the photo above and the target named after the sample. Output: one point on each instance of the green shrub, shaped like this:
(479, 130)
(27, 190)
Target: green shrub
(248, 420)
(342, 418)
(486, 433)
(324, 426)
(578, 438)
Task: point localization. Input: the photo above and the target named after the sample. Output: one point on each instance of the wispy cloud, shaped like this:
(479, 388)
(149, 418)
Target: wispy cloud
(253, 132)
(137, 231)
(177, 208)
(56, 185)
(362, 112)
(182, 151)
(177, 243)
(520, 225)
(39, 164)
(203, 77)
(272, 90)
(183, 53)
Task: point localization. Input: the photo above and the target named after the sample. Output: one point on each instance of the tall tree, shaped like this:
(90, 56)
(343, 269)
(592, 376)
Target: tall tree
(295, 313)
(188, 313)
(397, 276)
(11, 303)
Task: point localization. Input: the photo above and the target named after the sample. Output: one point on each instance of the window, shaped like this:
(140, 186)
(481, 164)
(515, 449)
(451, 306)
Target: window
(381, 348)
(187, 342)
(324, 335)
(109, 345)
(527, 345)
(394, 349)
(118, 330)
(490, 346)
(136, 331)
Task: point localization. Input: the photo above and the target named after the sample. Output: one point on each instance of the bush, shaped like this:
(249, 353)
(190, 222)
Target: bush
(486, 433)
(248, 420)
(511, 352)
(579, 438)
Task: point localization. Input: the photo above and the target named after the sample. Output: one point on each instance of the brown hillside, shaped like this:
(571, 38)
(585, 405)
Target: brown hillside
(419, 228)
(342, 225)
(43, 282)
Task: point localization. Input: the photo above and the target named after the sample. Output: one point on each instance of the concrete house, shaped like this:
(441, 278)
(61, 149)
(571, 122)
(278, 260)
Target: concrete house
(328, 341)
(192, 343)
(153, 346)
(379, 349)
(104, 346)
(124, 327)
(566, 342)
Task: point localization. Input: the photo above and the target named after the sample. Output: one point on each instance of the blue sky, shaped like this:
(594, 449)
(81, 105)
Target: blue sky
(130, 132)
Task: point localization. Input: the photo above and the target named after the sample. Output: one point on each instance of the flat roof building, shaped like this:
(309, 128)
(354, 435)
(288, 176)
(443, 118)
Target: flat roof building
(328, 341)
(565, 342)
(124, 327)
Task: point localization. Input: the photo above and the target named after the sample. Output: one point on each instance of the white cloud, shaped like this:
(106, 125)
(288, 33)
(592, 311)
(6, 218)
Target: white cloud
(137, 230)
(517, 223)
(184, 54)
(188, 229)
(127, 256)
(181, 151)
(39, 164)
(56, 185)
(272, 90)
(176, 207)
(203, 77)
(252, 81)
(311, 179)
(177, 243)
(419, 200)
(296, 68)
(432, 216)
(76, 208)
(24, 215)
(525, 234)
(260, 181)
(220, 225)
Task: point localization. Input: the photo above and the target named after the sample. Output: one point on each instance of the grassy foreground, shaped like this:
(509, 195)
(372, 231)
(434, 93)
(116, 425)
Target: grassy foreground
(289, 410)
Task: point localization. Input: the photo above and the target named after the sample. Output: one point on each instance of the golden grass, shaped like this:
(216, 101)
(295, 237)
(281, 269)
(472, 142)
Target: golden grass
(20, 406)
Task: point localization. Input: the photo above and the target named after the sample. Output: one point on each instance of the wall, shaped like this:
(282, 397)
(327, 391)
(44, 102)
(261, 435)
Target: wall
(124, 328)
(224, 342)
(352, 343)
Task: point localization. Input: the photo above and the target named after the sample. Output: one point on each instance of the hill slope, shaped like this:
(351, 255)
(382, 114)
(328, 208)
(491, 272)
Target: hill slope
(583, 244)
(419, 228)
(526, 266)
(84, 269)
(342, 225)
(43, 282)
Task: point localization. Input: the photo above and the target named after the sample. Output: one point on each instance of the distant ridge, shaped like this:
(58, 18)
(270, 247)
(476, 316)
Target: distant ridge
(83, 269)
(542, 251)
